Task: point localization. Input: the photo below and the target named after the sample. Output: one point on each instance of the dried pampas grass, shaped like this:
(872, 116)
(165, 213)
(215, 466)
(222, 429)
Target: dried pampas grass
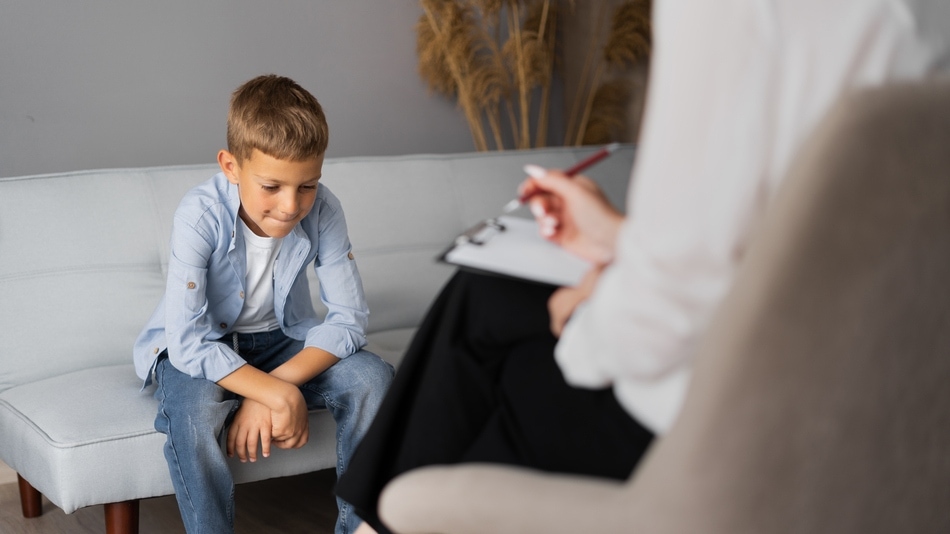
(603, 101)
(608, 118)
(448, 54)
(495, 57)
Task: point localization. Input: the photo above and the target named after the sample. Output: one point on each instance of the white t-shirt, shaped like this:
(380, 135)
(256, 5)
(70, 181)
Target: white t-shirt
(258, 313)
(735, 87)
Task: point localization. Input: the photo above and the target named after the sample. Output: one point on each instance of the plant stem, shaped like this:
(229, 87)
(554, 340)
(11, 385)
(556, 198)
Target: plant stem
(542, 128)
(464, 96)
(582, 127)
(575, 133)
(494, 121)
(524, 139)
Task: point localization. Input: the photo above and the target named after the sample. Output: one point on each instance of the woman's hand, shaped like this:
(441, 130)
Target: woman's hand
(564, 301)
(574, 213)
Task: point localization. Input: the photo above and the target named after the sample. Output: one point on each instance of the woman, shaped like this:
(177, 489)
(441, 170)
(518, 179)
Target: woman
(735, 87)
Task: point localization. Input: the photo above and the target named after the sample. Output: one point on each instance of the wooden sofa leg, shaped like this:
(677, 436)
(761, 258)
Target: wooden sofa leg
(122, 517)
(31, 500)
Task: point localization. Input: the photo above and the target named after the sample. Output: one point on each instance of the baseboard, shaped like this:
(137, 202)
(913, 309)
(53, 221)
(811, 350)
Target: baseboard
(7, 475)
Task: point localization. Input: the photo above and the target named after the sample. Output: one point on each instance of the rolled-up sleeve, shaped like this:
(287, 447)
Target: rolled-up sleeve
(188, 323)
(343, 330)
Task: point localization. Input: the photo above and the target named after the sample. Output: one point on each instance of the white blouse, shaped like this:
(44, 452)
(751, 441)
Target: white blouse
(735, 86)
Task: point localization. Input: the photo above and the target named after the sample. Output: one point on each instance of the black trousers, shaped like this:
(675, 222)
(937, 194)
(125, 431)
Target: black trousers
(479, 384)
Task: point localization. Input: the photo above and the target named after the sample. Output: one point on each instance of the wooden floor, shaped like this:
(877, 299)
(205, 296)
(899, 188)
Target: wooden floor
(287, 505)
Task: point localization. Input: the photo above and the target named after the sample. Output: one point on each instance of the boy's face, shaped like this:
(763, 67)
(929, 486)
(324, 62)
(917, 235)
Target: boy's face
(275, 194)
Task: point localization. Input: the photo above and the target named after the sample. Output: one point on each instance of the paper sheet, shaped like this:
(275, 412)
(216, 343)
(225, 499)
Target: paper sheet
(518, 251)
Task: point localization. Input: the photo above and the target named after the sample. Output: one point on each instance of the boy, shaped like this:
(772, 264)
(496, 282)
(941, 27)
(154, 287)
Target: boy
(236, 339)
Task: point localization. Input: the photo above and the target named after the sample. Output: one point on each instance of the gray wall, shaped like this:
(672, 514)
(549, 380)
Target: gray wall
(115, 83)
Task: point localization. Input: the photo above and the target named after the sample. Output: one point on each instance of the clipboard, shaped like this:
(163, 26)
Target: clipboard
(511, 246)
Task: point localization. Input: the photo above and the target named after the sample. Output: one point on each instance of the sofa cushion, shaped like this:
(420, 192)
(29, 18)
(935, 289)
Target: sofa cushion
(391, 345)
(80, 435)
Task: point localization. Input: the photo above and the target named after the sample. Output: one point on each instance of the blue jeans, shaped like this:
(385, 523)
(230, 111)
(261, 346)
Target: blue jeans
(193, 414)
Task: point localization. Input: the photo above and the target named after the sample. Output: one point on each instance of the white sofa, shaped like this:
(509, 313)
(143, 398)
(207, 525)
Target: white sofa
(83, 258)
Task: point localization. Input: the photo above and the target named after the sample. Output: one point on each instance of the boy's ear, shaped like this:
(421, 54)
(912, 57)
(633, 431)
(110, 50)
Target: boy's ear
(229, 165)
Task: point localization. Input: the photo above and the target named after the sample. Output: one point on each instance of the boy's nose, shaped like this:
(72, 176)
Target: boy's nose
(289, 205)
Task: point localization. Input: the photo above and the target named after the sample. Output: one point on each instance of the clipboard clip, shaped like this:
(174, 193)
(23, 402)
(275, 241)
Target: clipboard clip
(481, 233)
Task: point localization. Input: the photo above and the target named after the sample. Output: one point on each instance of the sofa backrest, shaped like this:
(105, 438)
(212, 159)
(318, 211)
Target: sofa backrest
(83, 255)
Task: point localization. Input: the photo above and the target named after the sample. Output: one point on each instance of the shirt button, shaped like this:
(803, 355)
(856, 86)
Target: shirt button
(191, 285)
(223, 326)
(156, 350)
(242, 294)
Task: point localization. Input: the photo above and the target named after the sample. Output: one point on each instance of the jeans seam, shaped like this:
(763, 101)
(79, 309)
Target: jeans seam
(342, 506)
(174, 451)
(231, 507)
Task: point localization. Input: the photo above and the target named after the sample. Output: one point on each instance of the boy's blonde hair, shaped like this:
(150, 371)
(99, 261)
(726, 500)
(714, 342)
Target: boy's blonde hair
(278, 117)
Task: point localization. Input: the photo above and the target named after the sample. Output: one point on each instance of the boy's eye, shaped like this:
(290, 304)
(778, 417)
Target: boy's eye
(270, 188)
(308, 187)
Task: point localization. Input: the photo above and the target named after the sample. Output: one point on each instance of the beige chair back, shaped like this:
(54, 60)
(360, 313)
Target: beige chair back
(821, 396)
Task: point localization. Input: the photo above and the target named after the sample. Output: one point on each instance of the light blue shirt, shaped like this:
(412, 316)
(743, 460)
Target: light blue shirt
(205, 286)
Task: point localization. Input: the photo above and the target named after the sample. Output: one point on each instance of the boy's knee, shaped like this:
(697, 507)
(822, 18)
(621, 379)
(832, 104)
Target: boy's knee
(378, 372)
(194, 408)
(358, 382)
(371, 375)
(199, 419)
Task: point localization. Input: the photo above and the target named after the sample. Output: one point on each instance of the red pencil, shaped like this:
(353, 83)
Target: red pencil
(578, 167)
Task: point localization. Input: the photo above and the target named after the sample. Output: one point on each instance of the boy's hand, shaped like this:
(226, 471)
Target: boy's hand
(288, 411)
(278, 392)
(289, 424)
(252, 424)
